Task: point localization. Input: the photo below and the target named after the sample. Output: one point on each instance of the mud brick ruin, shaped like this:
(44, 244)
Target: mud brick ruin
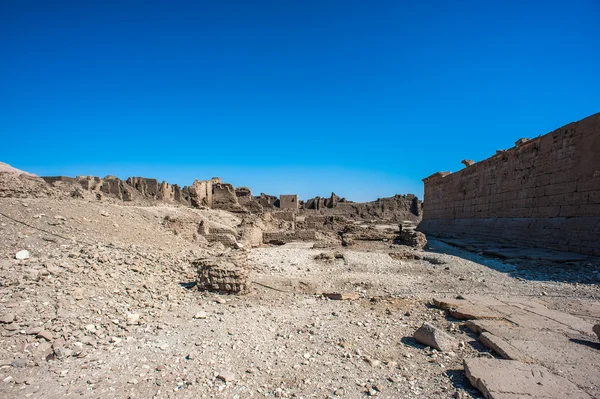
(543, 192)
(289, 201)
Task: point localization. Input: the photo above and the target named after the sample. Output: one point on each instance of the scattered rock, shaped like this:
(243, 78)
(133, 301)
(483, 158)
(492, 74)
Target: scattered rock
(19, 363)
(7, 318)
(343, 296)
(201, 315)
(432, 336)
(45, 334)
(226, 376)
(33, 330)
(12, 327)
(413, 238)
(22, 255)
(133, 318)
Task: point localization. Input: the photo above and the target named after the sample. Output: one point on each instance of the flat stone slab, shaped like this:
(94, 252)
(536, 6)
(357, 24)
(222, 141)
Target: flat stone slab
(524, 330)
(504, 379)
(503, 348)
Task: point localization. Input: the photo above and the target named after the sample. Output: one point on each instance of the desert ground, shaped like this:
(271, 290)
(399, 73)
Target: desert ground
(106, 304)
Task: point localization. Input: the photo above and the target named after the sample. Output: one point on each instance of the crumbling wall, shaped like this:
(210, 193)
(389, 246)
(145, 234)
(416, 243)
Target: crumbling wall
(224, 197)
(267, 201)
(280, 237)
(288, 201)
(543, 192)
(201, 192)
(243, 194)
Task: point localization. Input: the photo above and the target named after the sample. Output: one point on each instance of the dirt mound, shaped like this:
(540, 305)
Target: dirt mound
(15, 183)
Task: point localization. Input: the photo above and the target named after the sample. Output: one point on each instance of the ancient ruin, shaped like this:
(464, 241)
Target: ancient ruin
(543, 192)
(140, 287)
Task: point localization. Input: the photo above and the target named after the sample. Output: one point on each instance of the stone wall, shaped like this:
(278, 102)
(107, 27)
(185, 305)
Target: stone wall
(280, 237)
(543, 192)
(288, 201)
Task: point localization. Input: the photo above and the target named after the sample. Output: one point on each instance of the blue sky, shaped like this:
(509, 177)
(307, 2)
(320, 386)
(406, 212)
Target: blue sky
(364, 98)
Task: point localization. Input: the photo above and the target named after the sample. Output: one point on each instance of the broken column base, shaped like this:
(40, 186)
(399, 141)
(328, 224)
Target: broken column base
(221, 275)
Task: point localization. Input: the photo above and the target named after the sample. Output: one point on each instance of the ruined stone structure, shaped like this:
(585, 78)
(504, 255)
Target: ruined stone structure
(201, 192)
(318, 203)
(225, 275)
(282, 237)
(543, 192)
(394, 209)
(215, 194)
(243, 194)
(268, 201)
(288, 201)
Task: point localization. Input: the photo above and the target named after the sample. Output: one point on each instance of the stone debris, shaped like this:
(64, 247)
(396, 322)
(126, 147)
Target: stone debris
(226, 376)
(45, 334)
(201, 315)
(7, 318)
(596, 329)
(343, 296)
(132, 318)
(429, 335)
(22, 255)
(19, 363)
(413, 238)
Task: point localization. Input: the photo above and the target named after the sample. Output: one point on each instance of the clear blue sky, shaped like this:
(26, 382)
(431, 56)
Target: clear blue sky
(364, 98)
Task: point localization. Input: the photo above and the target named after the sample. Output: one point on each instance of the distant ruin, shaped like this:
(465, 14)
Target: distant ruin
(543, 192)
(216, 194)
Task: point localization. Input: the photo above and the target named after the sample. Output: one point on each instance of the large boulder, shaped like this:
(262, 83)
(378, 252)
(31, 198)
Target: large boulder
(413, 238)
(429, 335)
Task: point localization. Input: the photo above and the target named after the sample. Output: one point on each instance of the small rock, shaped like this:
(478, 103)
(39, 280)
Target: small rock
(78, 294)
(432, 336)
(7, 318)
(22, 255)
(62, 352)
(201, 315)
(133, 318)
(12, 327)
(115, 340)
(342, 296)
(596, 329)
(19, 363)
(373, 362)
(226, 376)
(45, 334)
(33, 330)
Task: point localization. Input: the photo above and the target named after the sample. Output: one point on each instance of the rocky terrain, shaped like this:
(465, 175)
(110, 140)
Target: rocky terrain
(100, 297)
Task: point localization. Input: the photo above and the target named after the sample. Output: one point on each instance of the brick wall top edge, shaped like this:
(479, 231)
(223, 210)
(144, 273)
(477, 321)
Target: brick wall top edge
(511, 150)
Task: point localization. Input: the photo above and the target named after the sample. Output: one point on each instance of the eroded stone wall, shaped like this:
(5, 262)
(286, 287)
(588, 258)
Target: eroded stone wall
(544, 192)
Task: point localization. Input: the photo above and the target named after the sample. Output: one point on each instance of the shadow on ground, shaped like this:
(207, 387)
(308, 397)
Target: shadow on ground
(524, 263)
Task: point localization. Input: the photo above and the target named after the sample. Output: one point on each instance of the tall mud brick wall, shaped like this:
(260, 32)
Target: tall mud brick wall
(543, 192)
